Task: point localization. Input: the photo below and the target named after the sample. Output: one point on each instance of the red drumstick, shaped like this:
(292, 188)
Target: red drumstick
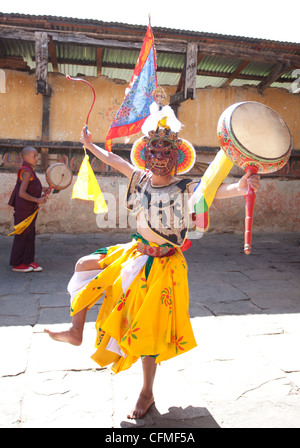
(249, 208)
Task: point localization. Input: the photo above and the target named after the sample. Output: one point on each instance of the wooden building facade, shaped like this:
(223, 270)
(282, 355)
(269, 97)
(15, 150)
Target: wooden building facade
(202, 74)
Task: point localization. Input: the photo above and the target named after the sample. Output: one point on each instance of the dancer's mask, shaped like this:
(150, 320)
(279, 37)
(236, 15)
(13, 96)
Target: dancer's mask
(160, 151)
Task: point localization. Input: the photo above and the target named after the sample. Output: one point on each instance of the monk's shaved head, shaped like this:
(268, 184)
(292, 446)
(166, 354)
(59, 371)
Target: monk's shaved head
(30, 155)
(27, 150)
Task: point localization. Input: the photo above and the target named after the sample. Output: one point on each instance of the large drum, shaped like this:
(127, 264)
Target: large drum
(255, 138)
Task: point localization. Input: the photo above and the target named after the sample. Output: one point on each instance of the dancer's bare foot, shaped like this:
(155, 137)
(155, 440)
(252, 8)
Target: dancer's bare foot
(142, 406)
(72, 336)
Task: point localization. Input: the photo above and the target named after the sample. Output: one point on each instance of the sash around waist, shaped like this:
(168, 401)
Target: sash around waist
(160, 251)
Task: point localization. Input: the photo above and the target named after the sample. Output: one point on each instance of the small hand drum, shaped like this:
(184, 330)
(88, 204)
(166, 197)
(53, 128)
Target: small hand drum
(255, 138)
(59, 176)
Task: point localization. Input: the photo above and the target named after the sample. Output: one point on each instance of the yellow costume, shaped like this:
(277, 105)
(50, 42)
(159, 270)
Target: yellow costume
(148, 316)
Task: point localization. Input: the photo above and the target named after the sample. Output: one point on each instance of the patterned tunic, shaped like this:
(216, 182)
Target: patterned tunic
(165, 207)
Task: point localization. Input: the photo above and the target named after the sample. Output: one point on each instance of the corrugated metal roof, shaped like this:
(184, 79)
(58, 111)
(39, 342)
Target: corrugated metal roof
(74, 24)
(168, 79)
(213, 70)
(257, 69)
(218, 65)
(209, 81)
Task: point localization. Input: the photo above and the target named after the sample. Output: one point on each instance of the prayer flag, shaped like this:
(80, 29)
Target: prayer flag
(206, 189)
(19, 228)
(87, 188)
(138, 96)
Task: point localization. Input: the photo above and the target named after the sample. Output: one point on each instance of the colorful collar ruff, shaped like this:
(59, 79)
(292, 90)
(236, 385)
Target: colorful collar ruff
(160, 150)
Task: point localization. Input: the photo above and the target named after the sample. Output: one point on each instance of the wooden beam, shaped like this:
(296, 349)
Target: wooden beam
(73, 38)
(168, 70)
(250, 54)
(180, 83)
(222, 49)
(52, 54)
(177, 98)
(277, 72)
(76, 145)
(15, 33)
(236, 72)
(14, 63)
(79, 39)
(99, 61)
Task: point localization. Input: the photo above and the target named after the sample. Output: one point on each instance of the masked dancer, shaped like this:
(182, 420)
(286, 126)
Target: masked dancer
(145, 310)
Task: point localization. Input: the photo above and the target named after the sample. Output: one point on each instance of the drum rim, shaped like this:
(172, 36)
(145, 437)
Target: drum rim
(238, 143)
(48, 172)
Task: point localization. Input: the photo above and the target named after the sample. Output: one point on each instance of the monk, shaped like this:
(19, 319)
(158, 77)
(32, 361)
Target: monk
(25, 198)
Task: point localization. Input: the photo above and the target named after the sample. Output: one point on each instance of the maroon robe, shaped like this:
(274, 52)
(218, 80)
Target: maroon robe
(23, 249)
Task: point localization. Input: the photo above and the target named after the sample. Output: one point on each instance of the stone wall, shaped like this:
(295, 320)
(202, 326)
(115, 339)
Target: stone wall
(276, 209)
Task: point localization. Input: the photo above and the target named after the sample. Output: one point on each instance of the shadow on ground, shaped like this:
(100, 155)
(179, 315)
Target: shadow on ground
(176, 417)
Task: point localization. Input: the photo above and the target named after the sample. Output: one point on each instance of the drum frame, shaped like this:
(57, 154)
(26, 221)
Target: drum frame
(57, 187)
(248, 161)
(240, 155)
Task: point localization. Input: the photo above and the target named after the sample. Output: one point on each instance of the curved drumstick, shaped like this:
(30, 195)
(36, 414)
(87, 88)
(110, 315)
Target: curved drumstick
(249, 208)
(86, 82)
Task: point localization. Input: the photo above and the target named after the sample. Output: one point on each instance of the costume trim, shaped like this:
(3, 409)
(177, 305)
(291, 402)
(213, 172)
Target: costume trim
(185, 161)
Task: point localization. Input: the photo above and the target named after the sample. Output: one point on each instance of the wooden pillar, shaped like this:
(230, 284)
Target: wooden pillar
(41, 62)
(189, 78)
(42, 86)
(189, 81)
(99, 61)
(45, 131)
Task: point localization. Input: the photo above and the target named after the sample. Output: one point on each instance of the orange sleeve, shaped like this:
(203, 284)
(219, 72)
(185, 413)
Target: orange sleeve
(20, 174)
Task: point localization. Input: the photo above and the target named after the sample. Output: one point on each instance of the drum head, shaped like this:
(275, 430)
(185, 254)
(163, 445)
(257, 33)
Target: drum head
(59, 176)
(260, 131)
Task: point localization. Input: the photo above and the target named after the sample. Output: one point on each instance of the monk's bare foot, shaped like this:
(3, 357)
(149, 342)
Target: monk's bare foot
(71, 336)
(141, 407)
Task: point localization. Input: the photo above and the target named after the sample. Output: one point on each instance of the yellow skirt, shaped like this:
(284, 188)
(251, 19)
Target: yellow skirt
(143, 313)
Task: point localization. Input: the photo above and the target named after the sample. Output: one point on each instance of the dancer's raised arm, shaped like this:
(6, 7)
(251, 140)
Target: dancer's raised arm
(107, 157)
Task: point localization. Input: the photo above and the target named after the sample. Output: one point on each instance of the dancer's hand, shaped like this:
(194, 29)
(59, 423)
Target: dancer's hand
(249, 179)
(85, 137)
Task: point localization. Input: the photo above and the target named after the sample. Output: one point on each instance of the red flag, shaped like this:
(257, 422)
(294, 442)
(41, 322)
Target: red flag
(138, 96)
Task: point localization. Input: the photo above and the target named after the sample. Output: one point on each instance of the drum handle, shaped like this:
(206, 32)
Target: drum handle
(249, 208)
